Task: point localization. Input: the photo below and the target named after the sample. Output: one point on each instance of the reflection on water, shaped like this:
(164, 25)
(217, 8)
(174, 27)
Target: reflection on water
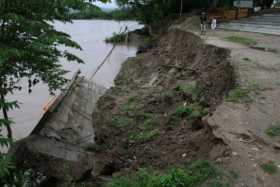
(90, 34)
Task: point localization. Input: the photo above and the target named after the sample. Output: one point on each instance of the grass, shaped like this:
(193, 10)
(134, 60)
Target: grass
(270, 167)
(143, 136)
(147, 120)
(116, 38)
(274, 130)
(130, 105)
(241, 40)
(121, 121)
(190, 89)
(242, 94)
(193, 175)
(191, 112)
(239, 95)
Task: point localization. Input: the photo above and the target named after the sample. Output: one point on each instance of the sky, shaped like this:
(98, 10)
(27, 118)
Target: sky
(111, 5)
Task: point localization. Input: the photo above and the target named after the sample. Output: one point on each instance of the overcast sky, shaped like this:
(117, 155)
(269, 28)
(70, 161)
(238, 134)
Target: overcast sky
(111, 5)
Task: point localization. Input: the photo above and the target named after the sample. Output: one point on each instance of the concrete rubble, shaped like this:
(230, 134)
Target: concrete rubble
(56, 145)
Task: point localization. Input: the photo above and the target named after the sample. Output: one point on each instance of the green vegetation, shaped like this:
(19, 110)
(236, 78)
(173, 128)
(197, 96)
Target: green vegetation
(241, 40)
(270, 167)
(121, 121)
(116, 38)
(239, 95)
(129, 106)
(195, 174)
(92, 147)
(143, 136)
(146, 120)
(274, 130)
(190, 89)
(90, 11)
(242, 95)
(191, 111)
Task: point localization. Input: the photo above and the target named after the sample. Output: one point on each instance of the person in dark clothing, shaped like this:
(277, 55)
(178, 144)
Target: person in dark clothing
(203, 21)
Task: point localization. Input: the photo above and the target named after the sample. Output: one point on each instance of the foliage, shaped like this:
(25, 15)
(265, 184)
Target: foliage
(190, 89)
(239, 95)
(121, 121)
(191, 111)
(270, 167)
(241, 40)
(193, 175)
(274, 130)
(242, 95)
(116, 38)
(91, 11)
(130, 105)
(143, 136)
(88, 11)
(146, 120)
(153, 12)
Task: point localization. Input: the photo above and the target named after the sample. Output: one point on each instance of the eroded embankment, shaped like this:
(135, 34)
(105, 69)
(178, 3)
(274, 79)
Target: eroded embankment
(153, 116)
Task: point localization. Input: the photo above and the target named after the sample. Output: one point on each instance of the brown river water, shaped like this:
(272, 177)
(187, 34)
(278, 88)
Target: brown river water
(90, 34)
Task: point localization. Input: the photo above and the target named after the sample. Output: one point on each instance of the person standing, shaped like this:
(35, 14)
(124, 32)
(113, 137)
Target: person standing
(203, 21)
(214, 24)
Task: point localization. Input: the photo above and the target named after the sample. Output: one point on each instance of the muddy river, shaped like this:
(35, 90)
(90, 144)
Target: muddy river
(90, 34)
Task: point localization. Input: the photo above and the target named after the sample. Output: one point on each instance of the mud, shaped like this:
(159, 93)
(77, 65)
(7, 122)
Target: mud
(145, 98)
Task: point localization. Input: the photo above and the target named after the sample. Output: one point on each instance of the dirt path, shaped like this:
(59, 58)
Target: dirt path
(243, 125)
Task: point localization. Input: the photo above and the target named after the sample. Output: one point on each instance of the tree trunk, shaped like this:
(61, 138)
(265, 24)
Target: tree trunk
(181, 9)
(6, 117)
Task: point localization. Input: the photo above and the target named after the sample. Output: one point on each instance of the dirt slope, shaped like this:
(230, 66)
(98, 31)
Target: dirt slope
(243, 125)
(153, 116)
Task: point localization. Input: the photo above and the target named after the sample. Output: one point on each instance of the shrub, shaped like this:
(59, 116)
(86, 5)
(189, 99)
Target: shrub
(270, 167)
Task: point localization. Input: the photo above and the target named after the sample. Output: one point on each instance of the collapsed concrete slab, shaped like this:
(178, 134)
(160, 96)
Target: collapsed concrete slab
(53, 158)
(56, 145)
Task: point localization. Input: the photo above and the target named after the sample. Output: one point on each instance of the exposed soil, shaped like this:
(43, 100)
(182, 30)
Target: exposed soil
(242, 125)
(144, 102)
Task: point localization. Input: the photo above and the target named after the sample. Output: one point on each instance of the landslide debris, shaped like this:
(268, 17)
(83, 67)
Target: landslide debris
(153, 117)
